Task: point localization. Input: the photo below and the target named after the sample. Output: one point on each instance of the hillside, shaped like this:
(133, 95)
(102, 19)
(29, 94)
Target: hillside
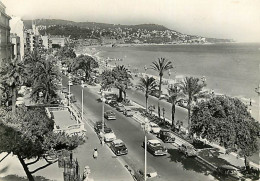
(115, 33)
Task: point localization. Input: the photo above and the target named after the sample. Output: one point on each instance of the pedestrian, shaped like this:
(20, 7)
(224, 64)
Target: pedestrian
(95, 153)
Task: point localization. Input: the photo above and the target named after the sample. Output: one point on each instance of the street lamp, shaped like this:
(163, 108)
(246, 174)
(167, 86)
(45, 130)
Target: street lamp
(163, 110)
(257, 90)
(103, 120)
(82, 95)
(145, 127)
(69, 88)
(145, 69)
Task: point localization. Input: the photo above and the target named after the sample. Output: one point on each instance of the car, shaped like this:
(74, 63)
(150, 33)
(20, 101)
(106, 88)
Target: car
(166, 136)
(109, 98)
(110, 115)
(118, 147)
(228, 172)
(98, 126)
(155, 128)
(128, 112)
(120, 107)
(155, 147)
(113, 103)
(151, 174)
(108, 135)
(188, 150)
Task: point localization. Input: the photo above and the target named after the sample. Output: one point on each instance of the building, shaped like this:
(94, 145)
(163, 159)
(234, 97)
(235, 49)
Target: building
(16, 46)
(32, 40)
(46, 42)
(5, 43)
(17, 27)
(58, 41)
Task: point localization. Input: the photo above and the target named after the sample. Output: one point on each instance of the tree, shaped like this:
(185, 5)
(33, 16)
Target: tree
(161, 66)
(46, 76)
(122, 78)
(13, 75)
(107, 80)
(226, 121)
(85, 63)
(192, 88)
(147, 85)
(175, 96)
(29, 135)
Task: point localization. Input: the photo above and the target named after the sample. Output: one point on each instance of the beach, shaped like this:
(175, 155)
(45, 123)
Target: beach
(231, 69)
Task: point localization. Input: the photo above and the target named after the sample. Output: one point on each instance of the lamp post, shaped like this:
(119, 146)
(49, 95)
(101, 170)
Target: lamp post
(103, 120)
(82, 95)
(163, 110)
(69, 89)
(257, 90)
(145, 126)
(145, 69)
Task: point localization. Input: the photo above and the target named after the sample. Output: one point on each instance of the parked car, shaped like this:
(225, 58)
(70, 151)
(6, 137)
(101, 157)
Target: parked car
(98, 126)
(151, 175)
(128, 112)
(120, 107)
(119, 147)
(71, 97)
(228, 172)
(108, 135)
(109, 98)
(155, 128)
(113, 103)
(110, 115)
(188, 150)
(155, 147)
(166, 136)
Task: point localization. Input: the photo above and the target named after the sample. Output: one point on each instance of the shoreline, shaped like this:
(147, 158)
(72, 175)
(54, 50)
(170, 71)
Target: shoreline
(138, 73)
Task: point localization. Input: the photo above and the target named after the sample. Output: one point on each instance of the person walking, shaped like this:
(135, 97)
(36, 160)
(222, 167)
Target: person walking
(95, 153)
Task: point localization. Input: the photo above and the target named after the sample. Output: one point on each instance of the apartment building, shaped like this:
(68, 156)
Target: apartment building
(5, 43)
(17, 27)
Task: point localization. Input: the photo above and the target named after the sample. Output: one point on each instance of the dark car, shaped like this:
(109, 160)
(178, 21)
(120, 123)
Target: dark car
(118, 147)
(166, 136)
(188, 150)
(228, 172)
(155, 147)
(98, 126)
(120, 107)
(110, 115)
(113, 103)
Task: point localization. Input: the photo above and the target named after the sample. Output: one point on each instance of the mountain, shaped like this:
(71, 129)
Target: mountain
(115, 33)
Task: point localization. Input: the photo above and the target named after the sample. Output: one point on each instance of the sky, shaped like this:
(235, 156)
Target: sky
(234, 19)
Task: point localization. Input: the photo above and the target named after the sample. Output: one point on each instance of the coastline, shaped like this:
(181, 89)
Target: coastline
(138, 72)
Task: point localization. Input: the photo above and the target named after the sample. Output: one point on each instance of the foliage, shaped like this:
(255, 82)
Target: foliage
(161, 66)
(192, 88)
(46, 76)
(29, 135)
(85, 63)
(12, 75)
(227, 121)
(107, 80)
(175, 96)
(147, 85)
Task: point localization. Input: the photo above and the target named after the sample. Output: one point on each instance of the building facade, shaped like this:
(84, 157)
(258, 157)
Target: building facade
(17, 27)
(16, 47)
(5, 43)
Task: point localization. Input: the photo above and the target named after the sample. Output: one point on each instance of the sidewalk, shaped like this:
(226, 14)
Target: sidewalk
(106, 167)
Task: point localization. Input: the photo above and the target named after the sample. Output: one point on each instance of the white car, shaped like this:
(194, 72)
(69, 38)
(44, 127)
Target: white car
(155, 128)
(108, 135)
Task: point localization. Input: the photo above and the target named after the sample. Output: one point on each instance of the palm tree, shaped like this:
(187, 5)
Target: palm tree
(147, 85)
(161, 66)
(122, 78)
(192, 88)
(13, 75)
(175, 96)
(46, 77)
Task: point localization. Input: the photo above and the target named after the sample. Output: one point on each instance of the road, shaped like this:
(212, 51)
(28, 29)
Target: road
(173, 166)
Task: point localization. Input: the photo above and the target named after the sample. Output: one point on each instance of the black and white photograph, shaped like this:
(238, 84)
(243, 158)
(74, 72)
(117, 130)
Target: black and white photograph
(129, 90)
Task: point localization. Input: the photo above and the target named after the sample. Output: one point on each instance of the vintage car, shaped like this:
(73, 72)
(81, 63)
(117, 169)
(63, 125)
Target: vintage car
(118, 147)
(120, 107)
(109, 98)
(128, 112)
(151, 174)
(188, 150)
(155, 147)
(228, 172)
(113, 103)
(154, 128)
(166, 136)
(110, 115)
(108, 135)
(71, 97)
(98, 126)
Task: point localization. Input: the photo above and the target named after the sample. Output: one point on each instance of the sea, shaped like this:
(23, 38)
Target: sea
(231, 69)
